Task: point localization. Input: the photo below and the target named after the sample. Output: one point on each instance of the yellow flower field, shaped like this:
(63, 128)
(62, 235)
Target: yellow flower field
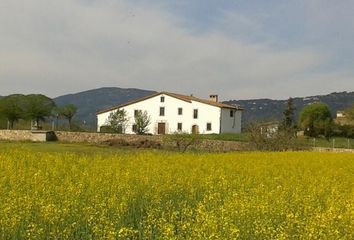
(161, 195)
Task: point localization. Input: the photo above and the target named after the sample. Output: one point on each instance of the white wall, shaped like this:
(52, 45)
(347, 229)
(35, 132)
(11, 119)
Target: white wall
(206, 113)
(230, 124)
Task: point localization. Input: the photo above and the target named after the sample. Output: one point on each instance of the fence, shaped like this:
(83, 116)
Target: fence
(347, 143)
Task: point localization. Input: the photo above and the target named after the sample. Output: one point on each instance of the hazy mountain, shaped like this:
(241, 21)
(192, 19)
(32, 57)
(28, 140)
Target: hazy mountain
(256, 110)
(92, 101)
(260, 110)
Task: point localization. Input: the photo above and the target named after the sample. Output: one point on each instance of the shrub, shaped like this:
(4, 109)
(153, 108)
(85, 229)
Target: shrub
(280, 140)
(183, 141)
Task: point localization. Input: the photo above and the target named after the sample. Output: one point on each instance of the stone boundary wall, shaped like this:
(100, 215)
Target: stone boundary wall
(99, 138)
(87, 137)
(15, 135)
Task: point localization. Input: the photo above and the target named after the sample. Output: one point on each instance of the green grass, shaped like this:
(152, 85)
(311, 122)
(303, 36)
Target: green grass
(56, 147)
(337, 142)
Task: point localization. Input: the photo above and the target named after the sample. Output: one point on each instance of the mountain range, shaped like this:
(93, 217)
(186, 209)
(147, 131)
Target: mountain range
(92, 101)
(256, 110)
(267, 110)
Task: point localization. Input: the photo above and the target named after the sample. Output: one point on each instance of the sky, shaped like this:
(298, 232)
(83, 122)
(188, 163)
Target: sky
(238, 49)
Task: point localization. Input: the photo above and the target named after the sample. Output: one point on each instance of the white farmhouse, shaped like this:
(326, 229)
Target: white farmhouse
(171, 113)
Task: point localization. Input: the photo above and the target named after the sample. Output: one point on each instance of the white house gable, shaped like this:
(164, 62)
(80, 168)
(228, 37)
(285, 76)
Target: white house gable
(170, 113)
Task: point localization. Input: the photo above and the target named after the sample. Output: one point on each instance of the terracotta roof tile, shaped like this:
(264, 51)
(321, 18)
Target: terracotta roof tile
(178, 96)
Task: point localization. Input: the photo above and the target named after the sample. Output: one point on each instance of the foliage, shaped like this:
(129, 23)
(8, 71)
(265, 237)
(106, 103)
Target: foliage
(316, 119)
(142, 121)
(346, 131)
(12, 108)
(68, 112)
(261, 138)
(118, 121)
(288, 122)
(38, 107)
(349, 113)
(159, 195)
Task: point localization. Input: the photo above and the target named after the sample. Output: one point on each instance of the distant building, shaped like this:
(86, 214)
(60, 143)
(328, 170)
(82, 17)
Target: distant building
(342, 119)
(269, 128)
(171, 113)
(340, 114)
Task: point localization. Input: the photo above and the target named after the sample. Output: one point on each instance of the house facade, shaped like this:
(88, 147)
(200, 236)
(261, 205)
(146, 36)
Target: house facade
(171, 113)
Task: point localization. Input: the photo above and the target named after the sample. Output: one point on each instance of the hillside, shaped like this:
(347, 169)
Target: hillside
(89, 102)
(256, 110)
(260, 110)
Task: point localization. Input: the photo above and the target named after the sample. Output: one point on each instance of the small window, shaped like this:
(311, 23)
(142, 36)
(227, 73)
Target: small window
(195, 113)
(162, 111)
(231, 113)
(179, 126)
(136, 112)
(180, 111)
(162, 99)
(208, 126)
(134, 128)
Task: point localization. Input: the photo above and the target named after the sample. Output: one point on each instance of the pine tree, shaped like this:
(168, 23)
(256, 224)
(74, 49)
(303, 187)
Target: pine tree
(289, 115)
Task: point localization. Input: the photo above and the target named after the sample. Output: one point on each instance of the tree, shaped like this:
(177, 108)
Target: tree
(38, 107)
(118, 121)
(12, 108)
(316, 119)
(68, 112)
(182, 140)
(142, 121)
(288, 122)
(349, 113)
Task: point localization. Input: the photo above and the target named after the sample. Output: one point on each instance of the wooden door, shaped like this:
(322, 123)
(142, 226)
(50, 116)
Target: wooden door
(195, 129)
(161, 128)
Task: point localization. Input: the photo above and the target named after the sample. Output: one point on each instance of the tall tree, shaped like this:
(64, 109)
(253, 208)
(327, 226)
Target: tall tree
(142, 121)
(12, 108)
(289, 115)
(316, 119)
(118, 121)
(38, 107)
(68, 112)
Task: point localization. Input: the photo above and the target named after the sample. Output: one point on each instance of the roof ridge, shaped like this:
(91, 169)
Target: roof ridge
(175, 95)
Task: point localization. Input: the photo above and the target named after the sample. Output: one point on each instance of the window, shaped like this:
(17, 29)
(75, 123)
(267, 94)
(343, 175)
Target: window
(208, 126)
(162, 111)
(180, 111)
(134, 128)
(195, 113)
(179, 126)
(231, 113)
(136, 112)
(162, 99)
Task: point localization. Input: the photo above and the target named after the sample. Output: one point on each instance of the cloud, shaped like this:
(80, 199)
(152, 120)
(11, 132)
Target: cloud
(58, 47)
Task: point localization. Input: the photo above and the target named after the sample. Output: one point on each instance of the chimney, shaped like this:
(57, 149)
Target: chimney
(214, 98)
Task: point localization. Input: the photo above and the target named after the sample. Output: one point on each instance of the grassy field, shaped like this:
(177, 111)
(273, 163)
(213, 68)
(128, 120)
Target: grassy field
(337, 142)
(63, 191)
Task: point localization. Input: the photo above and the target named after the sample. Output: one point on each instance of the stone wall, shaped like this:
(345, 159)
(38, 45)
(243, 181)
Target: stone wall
(15, 135)
(99, 138)
(86, 137)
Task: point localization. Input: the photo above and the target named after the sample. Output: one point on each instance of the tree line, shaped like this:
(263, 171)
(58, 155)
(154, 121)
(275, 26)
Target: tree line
(316, 120)
(35, 108)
